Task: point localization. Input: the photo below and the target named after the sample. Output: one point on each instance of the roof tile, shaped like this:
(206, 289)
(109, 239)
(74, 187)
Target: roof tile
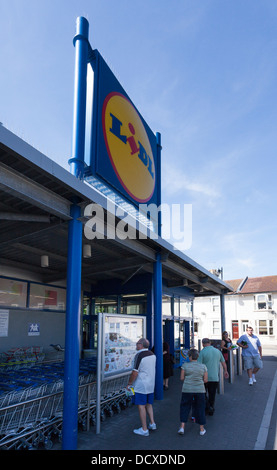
(255, 284)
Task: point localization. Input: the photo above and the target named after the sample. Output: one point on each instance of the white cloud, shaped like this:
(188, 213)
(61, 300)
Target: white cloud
(239, 249)
(247, 262)
(175, 180)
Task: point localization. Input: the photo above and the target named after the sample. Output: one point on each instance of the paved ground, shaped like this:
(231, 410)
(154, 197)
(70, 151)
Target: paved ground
(244, 419)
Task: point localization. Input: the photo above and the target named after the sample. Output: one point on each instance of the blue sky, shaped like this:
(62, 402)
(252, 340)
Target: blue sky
(203, 73)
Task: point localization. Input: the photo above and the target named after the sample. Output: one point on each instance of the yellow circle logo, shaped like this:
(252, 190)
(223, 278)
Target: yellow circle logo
(128, 147)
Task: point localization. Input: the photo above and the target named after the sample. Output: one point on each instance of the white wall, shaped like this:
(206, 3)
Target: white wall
(238, 308)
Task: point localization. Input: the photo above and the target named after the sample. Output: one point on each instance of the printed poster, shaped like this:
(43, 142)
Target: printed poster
(4, 323)
(121, 333)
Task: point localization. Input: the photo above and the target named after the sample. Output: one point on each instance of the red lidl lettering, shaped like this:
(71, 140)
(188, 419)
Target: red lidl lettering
(130, 140)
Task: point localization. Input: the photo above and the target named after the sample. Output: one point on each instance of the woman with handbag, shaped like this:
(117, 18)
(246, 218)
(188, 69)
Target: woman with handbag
(226, 344)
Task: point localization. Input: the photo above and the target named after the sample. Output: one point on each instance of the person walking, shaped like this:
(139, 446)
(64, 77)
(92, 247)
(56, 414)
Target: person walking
(212, 358)
(251, 353)
(226, 344)
(193, 375)
(167, 365)
(142, 379)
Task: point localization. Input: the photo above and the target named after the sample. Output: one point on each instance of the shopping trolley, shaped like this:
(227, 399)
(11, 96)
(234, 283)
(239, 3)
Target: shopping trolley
(31, 402)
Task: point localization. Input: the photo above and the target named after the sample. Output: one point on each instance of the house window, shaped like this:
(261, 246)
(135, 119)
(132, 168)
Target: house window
(244, 325)
(216, 327)
(265, 327)
(215, 304)
(263, 301)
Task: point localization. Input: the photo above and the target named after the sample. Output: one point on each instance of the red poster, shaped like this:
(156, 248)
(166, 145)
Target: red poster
(51, 297)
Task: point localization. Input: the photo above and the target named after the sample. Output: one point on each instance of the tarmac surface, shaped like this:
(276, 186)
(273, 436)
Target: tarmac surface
(244, 419)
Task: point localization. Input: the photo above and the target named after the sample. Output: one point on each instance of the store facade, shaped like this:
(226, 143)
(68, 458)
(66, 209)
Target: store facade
(60, 265)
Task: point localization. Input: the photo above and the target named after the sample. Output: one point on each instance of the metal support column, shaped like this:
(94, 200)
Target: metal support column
(221, 381)
(239, 361)
(158, 333)
(72, 332)
(119, 303)
(222, 312)
(99, 373)
(187, 334)
(172, 329)
(231, 367)
(81, 44)
(74, 260)
(150, 316)
(92, 324)
(192, 324)
(159, 151)
(168, 334)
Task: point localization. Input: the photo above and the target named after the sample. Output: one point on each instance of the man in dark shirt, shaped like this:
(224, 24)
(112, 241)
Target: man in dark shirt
(142, 379)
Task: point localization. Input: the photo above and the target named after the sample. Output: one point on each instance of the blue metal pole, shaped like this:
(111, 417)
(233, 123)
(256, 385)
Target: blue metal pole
(72, 332)
(149, 318)
(81, 44)
(159, 198)
(187, 334)
(171, 341)
(158, 333)
(192, 325)
(222, 312)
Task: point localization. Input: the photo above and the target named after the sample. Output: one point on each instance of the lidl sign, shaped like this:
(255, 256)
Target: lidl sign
(128, 147)
(123, 149)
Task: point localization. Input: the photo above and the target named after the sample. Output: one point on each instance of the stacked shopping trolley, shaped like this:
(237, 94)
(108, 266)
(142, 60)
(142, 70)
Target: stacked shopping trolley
(31, 401)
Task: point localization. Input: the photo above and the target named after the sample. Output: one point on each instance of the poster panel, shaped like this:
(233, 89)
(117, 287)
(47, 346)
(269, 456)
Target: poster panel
(13, 293)
(120, 335)
(48, 297)
(4, 322)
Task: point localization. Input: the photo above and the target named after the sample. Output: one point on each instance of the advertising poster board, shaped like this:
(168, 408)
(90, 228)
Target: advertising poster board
(4, 322)
(120, 335)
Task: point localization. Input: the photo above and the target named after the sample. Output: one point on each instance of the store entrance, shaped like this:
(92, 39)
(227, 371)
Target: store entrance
(132, 304)
(177, 325)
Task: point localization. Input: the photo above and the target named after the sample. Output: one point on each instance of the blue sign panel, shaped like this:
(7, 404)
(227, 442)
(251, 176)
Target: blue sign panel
(123, 148)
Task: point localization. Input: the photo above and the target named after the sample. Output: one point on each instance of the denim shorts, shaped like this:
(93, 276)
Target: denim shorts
(143, 399)
(250, 362)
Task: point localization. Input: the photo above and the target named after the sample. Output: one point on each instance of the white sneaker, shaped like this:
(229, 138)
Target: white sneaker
(250, 381)
(203, 432)
(152, 426)
(181, 431)
(141, 432)
(254, 378)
